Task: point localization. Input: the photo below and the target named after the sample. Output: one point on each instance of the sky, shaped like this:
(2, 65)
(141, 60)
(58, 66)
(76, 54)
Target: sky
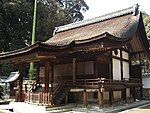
(100, 7)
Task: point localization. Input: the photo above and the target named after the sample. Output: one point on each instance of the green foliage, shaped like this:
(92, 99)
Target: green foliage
(16, 20)
(32, 74)
(6, 68)
(146, 19)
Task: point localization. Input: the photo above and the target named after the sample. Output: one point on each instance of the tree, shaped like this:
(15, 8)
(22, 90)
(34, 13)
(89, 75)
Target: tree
(16, 24)
(146, 19)
(16, 20)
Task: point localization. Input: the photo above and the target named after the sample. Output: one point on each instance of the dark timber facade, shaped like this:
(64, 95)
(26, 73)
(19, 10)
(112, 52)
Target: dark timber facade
(87, 61)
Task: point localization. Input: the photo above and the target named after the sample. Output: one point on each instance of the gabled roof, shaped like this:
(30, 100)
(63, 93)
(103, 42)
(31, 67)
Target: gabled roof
(122, 24)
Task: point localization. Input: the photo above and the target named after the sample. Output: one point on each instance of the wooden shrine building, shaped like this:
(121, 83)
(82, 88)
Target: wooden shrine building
(86, 61)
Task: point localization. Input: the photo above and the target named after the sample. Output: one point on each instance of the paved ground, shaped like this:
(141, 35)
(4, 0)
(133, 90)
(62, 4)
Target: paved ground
(140, 109)
(20, 107)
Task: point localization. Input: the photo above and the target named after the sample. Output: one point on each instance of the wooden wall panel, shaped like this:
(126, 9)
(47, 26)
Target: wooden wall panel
(103, 70)
(89, 67)
(128, 92)
(117, 94)
(80, 68)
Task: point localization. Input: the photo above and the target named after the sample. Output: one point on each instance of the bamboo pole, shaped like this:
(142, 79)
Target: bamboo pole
(33, 38)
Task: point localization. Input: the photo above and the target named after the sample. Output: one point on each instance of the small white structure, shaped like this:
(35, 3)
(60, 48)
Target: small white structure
(13, 76)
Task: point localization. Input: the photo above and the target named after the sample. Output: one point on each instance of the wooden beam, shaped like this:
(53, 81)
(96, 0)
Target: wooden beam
(100, 99)
(85, 98)
(115, 57)
(47, 71)
(74, 70)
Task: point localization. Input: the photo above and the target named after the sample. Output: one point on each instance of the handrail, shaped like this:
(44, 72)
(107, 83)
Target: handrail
(32, 87)
(103, 81)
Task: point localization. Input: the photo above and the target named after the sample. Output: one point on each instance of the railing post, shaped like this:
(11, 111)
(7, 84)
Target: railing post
(66, 98)
(42, 98)
(51, 99)
(39, 95)
(85, 98)
(29, 97)
(100, 98)
(48, 98)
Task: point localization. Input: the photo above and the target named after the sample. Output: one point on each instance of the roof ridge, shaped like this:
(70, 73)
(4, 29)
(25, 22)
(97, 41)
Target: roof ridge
(97, 19)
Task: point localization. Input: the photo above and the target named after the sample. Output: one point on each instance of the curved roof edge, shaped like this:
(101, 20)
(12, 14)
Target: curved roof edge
(105, 35)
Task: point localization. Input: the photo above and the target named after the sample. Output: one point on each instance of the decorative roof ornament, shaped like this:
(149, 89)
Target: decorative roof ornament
(135, 9)
(55, 30)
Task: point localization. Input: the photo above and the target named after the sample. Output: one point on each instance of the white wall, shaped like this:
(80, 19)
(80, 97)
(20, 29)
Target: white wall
(125, 69)
(125, 55)
(146, 82)
(116, 69)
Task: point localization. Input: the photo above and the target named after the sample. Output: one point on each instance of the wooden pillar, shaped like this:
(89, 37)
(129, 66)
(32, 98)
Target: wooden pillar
(74, 70)
(121, 64)
(47, 71)
(123, 92)
(111, 97)
(124, 95)
(95, 68)
(37, 74)
(66, 98)
(52, 76)
(85, 98)
(111, 66)
(20, 86)
(134, 94)
(141, 92)
(141, 87)
(100, 99)
(111, 94)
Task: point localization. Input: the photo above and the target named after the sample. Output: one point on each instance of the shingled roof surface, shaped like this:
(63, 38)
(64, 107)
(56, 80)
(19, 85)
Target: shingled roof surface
(122, 24)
